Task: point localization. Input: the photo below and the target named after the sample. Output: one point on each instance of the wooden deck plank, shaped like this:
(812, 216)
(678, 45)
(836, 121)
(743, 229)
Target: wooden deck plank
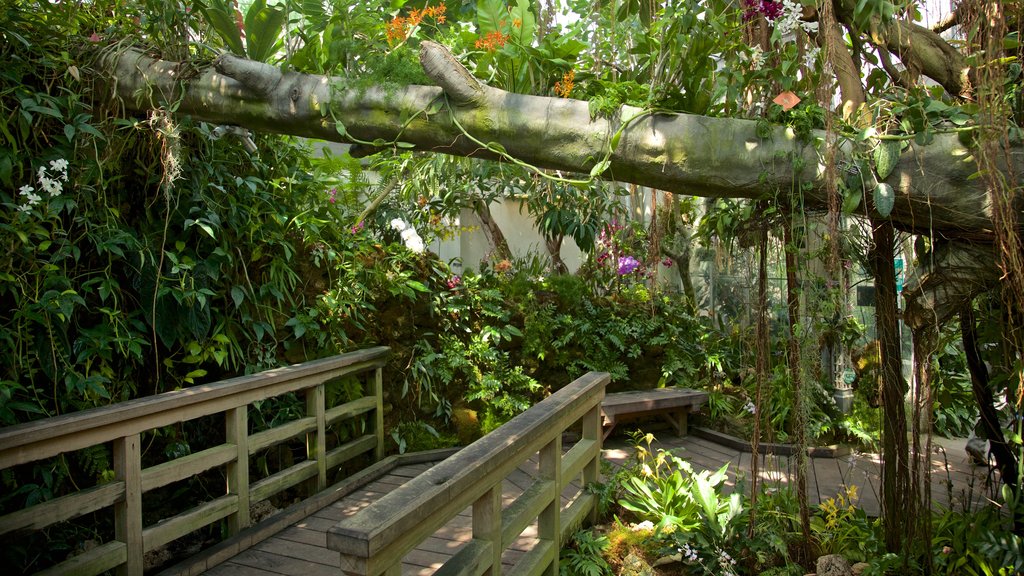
(285, 565)
(232, 569)
(304, 535)
(300, 551)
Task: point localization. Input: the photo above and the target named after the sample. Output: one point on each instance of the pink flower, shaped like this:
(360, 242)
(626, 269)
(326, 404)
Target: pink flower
(453, 282)
(95, 38)
(357, 227)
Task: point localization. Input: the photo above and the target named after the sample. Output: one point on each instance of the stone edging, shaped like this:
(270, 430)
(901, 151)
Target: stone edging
(833, 451)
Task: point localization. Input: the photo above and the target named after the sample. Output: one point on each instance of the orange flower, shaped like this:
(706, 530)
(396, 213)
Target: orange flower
(396, 31)
(399, 28)
(492, 41)
(564, 86)
(517, 23)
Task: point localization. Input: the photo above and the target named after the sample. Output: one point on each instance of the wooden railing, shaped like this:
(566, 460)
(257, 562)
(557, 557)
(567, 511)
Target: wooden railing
(123, 424)
(375, 540)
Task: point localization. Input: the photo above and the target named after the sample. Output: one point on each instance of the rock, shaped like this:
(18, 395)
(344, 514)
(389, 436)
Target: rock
(261, 510)
(859, 568)
(634, 565)
(977, 450)
(668, 560)
(833, 565)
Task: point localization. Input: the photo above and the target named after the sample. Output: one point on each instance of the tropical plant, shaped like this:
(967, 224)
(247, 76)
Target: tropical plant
(841, 527)
(585, 555)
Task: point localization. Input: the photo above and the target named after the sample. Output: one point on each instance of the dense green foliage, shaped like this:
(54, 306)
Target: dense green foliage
(662, 508)
(149, 253)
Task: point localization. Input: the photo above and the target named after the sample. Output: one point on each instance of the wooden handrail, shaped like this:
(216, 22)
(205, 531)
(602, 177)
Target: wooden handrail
(375, 540)
(124, 423)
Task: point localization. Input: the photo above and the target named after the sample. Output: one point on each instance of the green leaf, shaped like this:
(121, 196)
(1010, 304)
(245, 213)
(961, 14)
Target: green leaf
(238, 296)
(851, 200)
(263, 26)
(221, 17)
(527, 30)
(884, 198)
(489, 13)
(417, 285)
(599, 168)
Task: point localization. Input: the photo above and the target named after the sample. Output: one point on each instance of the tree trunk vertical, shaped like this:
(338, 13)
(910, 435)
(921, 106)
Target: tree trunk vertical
(760, 366)
(926, 341)
(554, 247)
(1006, 460)
(492, 230)
(895, 464)
(796, 379)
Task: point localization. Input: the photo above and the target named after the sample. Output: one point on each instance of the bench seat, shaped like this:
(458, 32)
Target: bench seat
(672, 404)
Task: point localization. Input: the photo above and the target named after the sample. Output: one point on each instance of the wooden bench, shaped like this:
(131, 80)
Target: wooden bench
(672, 404)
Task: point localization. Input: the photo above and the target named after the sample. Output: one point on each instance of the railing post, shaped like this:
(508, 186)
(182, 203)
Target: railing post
(487, 526)
(378, 391)
(128, 512)
(592, 471)
(236, 423)
(316, 441)
(549, 522)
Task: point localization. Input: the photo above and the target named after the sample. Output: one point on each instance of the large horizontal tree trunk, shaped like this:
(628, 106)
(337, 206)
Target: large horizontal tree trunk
(688, 154)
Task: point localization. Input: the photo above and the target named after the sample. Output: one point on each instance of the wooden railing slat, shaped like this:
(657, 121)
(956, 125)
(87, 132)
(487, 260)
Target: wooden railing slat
(316, 439)
(549, 524)
(122, 425)
(96, 561)
(471, 560)
(128, 512)
(177, 526)
(524, 510)
(487, 528)
(350, 450)
(279, 481)
(578, 458)
(351, 409)
(273, 436)
(534, 561)
(187, 466)
(578, 512)
(51, 436)
(63, 508)
(236, 424)
(378, 392)
(374, 540)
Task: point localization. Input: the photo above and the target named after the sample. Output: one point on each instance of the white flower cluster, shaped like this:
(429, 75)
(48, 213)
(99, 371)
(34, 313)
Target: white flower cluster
(811, 57)
(726, 562)
(410, 236)
(790, 20)
(688, 553)
(49, 182)
(756, 57)
(646, 525)
(749, 407)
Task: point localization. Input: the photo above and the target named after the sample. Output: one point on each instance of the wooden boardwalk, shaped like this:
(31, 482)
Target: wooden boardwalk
(955, 481)
(300, 549)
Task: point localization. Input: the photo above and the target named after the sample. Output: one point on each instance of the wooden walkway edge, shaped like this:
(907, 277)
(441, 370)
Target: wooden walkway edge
(293, 541)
